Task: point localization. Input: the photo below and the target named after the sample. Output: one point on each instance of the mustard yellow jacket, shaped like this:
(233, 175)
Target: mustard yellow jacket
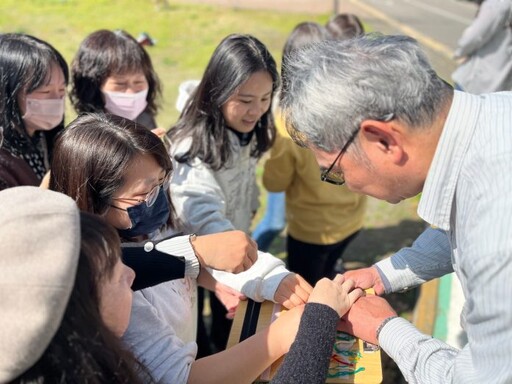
(317, 212)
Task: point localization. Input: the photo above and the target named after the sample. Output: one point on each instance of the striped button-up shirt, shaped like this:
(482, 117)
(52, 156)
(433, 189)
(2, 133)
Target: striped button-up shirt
(467, 197)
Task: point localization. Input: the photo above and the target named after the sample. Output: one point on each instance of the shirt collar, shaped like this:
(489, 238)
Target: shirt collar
(243, 138)
(438, 194)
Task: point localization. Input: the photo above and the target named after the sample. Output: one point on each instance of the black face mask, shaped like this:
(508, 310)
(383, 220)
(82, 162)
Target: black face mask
(146, 220)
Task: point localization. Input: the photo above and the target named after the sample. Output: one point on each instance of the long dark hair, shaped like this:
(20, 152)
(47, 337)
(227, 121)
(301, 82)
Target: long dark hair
(84, 350)
(25, 64)
(92, 157)
(102, 54)
(234, 60)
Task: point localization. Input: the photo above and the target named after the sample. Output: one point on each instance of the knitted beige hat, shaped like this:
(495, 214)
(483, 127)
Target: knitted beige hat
(39, 249)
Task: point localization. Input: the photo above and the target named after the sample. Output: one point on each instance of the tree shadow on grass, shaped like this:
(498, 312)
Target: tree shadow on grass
(374, 244)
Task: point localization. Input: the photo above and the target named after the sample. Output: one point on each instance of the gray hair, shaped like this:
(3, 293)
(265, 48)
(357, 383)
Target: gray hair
(331, 87)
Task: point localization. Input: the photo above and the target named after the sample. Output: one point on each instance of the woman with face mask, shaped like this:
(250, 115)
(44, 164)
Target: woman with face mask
(33, 81)
(118, 169)
(113, 73)
(115, 168)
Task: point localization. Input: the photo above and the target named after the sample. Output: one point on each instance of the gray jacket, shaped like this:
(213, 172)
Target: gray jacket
(487, 44)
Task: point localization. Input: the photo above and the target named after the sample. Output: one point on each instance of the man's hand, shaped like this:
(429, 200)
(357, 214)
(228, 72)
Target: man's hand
(292, 291)
(366, 278)
(365, 316)
(231, 251)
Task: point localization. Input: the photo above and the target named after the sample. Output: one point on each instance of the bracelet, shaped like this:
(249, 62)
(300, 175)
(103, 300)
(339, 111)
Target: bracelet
(377, 332)
(194, 264)
(191, 238)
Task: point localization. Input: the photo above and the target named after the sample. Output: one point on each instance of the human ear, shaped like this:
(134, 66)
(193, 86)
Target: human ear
(384, 139)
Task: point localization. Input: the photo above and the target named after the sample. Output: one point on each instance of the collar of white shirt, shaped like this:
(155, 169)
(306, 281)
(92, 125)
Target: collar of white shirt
(436, 201)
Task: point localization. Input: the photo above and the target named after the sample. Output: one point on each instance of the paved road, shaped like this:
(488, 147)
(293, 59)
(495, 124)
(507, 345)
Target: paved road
(436, 24)
(441, 20)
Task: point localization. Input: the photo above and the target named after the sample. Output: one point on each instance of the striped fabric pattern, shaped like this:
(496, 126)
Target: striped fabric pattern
(467, 197)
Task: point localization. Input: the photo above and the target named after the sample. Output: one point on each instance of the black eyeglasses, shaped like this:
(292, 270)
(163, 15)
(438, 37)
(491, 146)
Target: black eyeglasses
(337, 177)
(152, 195)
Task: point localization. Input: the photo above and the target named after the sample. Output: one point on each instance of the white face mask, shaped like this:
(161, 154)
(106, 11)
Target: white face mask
(44, 114)
(127, 105)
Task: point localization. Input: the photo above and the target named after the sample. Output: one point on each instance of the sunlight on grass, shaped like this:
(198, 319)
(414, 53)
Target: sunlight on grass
(186, 34)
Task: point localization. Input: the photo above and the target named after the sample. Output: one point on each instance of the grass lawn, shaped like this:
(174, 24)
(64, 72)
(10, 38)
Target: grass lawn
(186, 36)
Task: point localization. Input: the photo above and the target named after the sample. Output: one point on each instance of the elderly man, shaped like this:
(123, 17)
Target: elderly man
(380, 120)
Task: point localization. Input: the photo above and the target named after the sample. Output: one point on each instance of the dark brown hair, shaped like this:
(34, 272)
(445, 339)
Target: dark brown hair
(84, 350)
(93, 154)
(234, 60)
(25, 65)
(105, 53)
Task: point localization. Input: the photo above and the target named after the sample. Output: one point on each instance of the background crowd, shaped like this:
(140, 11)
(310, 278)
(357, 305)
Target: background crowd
(123, 188)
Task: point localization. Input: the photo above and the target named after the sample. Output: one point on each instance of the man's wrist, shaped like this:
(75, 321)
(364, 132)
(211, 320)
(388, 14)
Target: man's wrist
(383, 278)
(381, 326)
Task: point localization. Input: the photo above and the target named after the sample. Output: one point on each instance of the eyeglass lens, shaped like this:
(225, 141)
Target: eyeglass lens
(153, 194)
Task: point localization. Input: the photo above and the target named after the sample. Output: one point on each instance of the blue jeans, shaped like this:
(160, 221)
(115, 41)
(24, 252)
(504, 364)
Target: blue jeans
(272, 223)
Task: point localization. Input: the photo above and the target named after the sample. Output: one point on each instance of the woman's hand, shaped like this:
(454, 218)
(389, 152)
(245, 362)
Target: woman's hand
(283, 330)
(292, 291)
(229, 297)
(339, 294)
(160, 132)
